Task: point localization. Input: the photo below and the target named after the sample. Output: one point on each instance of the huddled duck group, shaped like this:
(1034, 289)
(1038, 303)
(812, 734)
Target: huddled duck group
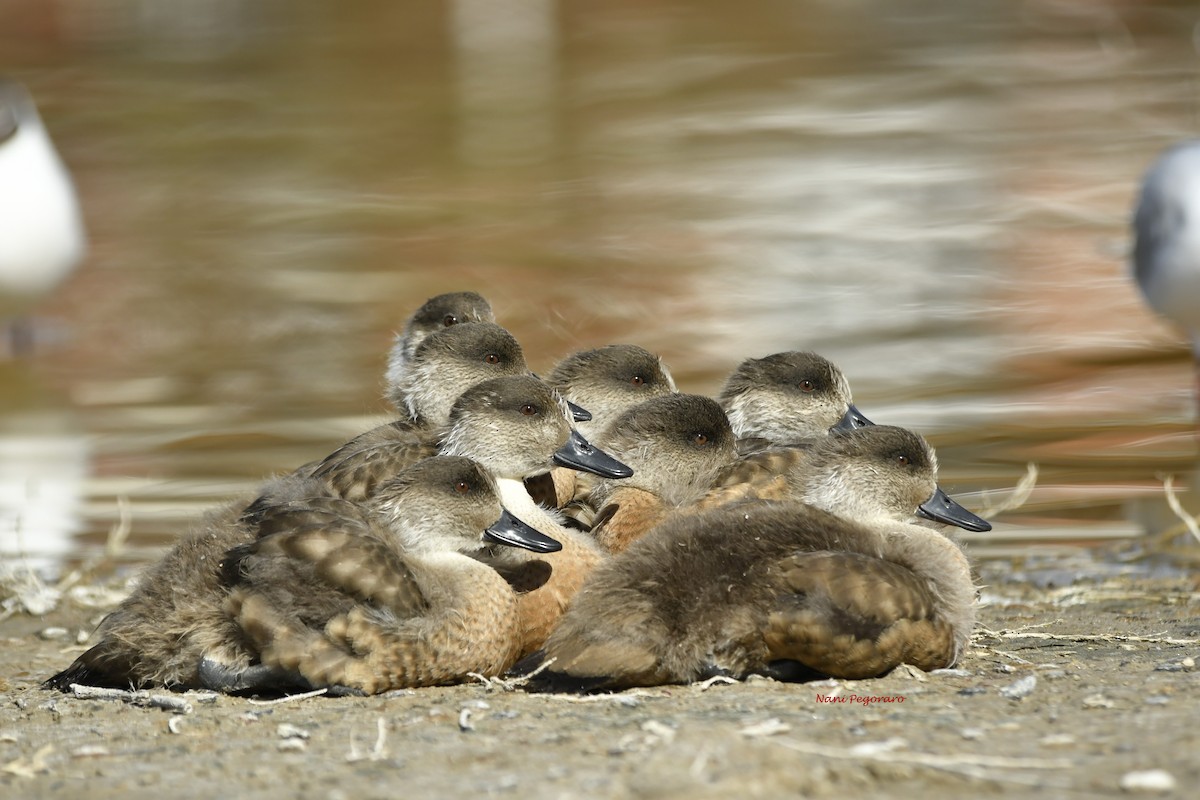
(594, 529)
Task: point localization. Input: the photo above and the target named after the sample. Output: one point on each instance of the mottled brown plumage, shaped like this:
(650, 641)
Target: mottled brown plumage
(383, 596)
(784, 588)
(173, 618)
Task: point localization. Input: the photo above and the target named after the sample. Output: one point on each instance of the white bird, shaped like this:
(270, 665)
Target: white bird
(1166, 227)
(42, 237)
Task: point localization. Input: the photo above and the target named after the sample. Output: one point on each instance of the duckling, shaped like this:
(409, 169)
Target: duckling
(42, 236)
(605, 381)
(788, 398)
(385, 596)
(444, 365)
(516, 425)
(675, 445)
(448, 362)
(845, 587)
(158, 634)
(437, 313)
(778, 407)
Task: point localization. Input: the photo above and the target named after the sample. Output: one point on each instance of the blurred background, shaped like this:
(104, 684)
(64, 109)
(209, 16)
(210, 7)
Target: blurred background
(936, 195)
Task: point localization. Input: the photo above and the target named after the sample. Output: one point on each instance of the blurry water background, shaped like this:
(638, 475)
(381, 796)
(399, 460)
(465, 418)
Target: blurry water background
(936, 195)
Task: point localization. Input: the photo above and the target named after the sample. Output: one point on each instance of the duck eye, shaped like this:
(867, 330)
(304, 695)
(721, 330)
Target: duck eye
(462, 487)
(449, 320)
(699, 439)
(492, 358)
(806, 385)
(529, 409)
(637, 380)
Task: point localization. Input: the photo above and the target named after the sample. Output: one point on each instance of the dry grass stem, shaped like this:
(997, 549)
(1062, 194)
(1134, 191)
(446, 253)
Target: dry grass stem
(509, 684)
(1017, 498)
(1026, 633)
(1173, 503)
(138, 698)
(968, 764)
(287, 698)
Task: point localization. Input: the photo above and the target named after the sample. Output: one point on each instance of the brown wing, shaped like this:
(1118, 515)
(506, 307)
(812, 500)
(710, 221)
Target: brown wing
(854, 616)
(761, 466)
(351, 561)
(359, 466)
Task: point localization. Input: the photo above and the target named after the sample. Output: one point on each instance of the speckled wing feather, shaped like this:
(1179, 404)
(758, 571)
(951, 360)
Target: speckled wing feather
(761, 465)
(850, 615)
(348, 560)
(358, 467)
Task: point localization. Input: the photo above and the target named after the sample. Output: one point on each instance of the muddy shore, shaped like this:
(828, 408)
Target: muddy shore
(1079, 691)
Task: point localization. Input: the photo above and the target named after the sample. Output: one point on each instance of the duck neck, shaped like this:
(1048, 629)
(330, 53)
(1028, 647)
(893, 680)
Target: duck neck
(515, 497)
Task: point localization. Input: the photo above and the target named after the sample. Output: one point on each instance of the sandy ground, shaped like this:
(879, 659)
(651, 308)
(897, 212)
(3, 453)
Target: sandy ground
(1083, 691)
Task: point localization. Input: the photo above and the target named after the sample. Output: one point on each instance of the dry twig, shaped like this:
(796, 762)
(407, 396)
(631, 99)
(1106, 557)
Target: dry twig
(138, 698)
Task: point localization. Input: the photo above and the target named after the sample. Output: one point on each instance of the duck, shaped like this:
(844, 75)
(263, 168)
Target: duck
(448, 362)
(675, 444)
(788, 398)
(175, 616)
(362, 599)
(518, 428)
(605, 381)
(778, 407)
(435, 314)
(42, 233)
(845, 585)
(514, 424)
(1166, 230)
(442, 367)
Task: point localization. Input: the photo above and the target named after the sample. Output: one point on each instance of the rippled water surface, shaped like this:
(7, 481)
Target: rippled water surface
(934, 194)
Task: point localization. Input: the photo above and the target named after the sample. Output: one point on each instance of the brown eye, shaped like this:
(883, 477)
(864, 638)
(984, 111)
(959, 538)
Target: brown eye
(637, 380)
(491, 358)
(529, 409)
(806, 385)
(462, 487)
(902, 460)
(699, 439)
(449, 320)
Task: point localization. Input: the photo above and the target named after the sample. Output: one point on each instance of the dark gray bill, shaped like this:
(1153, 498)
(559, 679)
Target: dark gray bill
(579, 454)
(513, 532)
(579, 413)
(852, 420)
(941, 508)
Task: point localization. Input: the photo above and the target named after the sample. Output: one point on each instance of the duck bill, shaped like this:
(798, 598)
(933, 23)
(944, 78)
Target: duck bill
(579, 413)
(509, 530)
(852, 420)
(941, 508)
(580, 454)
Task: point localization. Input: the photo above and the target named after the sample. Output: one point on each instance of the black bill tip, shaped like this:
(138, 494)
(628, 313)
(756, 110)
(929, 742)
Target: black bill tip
(941, 508)
(852, 420)
(578, 453)
(579, 413)
(509, 530)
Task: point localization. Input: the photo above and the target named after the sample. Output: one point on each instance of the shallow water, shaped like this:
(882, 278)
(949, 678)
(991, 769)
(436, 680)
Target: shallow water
(934, 195)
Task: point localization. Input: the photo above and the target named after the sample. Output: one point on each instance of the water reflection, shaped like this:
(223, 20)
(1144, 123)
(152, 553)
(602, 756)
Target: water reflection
(505, 59)
(43, 466)
(934, 195)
